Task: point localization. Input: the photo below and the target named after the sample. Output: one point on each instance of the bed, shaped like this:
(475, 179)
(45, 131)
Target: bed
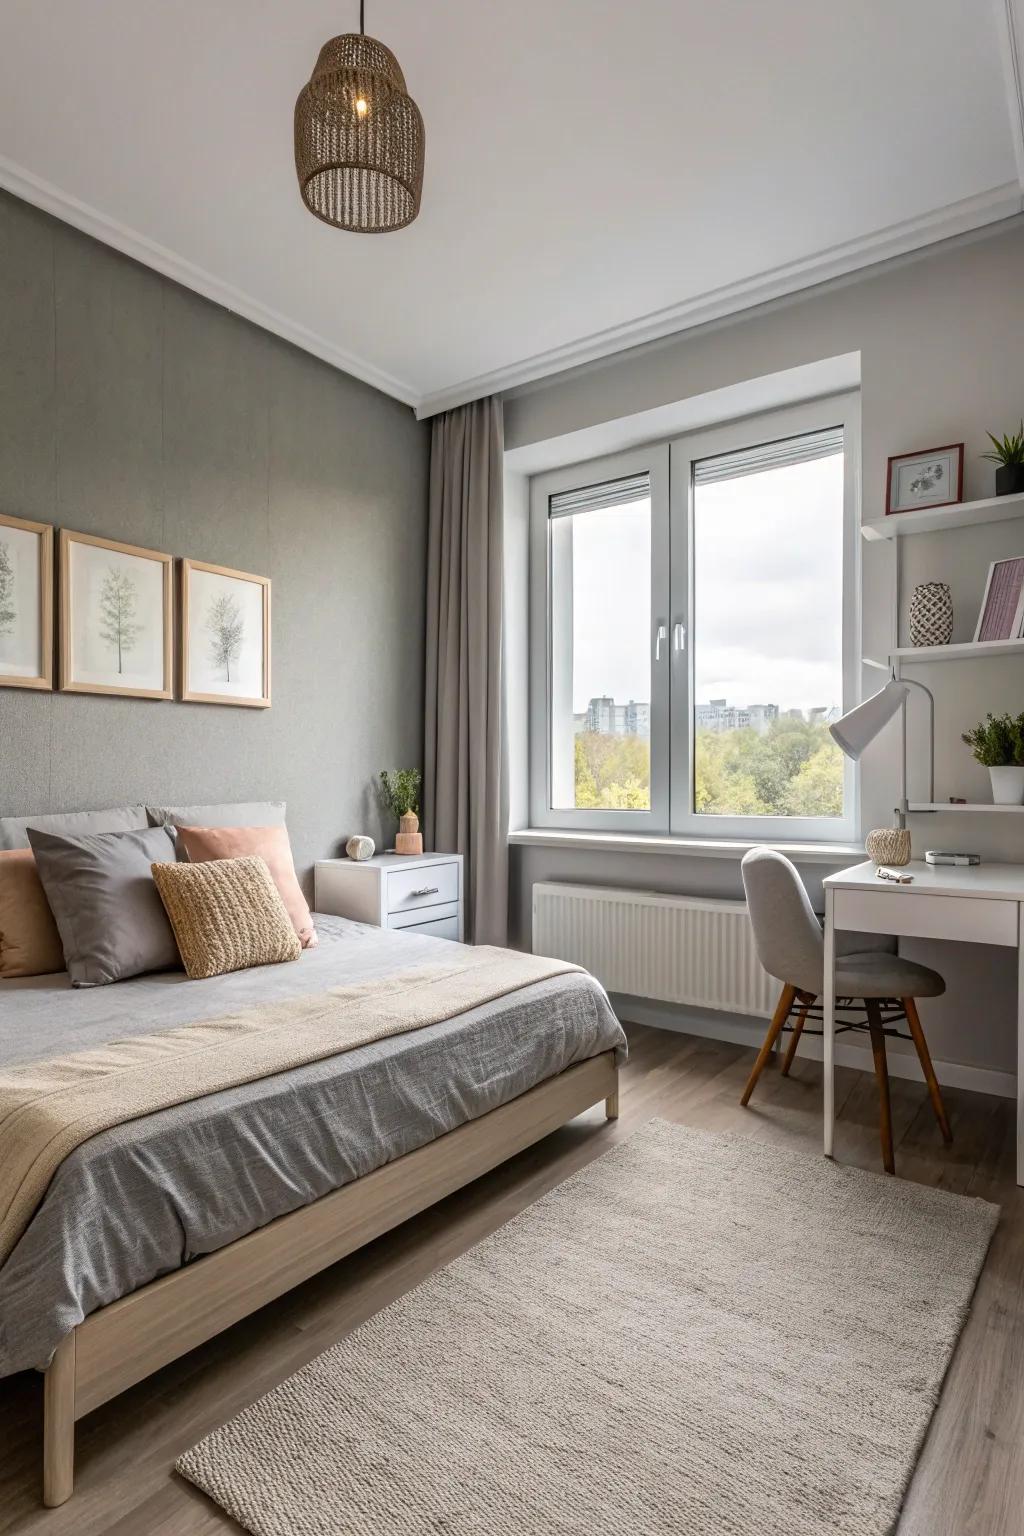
(158, 1233)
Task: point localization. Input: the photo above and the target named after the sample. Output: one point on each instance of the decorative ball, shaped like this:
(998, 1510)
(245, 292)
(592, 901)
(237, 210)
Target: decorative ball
(359, 848)
(889, 845)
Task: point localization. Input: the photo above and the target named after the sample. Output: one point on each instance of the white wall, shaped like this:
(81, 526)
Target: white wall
(941, 343)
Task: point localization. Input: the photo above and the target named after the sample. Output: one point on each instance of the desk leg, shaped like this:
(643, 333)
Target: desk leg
(1020, 1043)
(828, 1002)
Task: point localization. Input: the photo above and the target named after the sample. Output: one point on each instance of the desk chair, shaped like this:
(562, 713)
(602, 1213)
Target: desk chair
(876, 988)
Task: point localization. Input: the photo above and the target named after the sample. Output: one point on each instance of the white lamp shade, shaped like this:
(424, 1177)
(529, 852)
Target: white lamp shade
(855, 730)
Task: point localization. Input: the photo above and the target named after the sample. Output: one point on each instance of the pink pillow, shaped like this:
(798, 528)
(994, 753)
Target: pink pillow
(29, 942)
(270, 843)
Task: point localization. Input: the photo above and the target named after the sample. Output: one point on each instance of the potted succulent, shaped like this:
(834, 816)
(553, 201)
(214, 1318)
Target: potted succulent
(1008, 453)
(998, 742)
(400, 791)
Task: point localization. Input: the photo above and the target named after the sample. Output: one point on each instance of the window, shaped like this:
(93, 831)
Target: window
(694, 632)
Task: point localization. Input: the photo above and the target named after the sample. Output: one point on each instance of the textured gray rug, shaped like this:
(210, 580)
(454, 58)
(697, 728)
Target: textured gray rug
(693, 1335)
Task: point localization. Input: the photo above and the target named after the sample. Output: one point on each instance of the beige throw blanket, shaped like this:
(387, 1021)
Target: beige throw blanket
(49, 1108)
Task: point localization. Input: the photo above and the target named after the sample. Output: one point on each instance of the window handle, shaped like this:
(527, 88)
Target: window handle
(661, 636)
(679, 638)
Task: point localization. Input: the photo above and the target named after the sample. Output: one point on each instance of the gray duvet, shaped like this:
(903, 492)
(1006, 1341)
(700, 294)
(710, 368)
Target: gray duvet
(149, 1196)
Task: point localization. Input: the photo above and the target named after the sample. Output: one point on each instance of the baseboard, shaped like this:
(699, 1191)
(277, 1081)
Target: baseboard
(738, 1029)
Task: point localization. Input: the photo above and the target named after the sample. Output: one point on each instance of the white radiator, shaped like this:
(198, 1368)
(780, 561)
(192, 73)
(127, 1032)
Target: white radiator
(677, 949)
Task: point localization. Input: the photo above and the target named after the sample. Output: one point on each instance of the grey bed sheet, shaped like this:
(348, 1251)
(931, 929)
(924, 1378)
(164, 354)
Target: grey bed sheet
(147, 1197)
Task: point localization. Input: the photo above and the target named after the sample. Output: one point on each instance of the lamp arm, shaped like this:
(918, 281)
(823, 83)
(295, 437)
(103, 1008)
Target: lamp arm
(903, 807)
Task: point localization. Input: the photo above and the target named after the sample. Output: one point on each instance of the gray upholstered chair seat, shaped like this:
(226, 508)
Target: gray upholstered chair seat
(869, 971)
(882, 975)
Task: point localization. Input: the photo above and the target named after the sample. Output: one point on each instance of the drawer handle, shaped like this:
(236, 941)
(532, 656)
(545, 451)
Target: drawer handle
(425, 890)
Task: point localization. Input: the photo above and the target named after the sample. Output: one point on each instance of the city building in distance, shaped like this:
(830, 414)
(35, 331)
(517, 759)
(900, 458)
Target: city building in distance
(603, 716)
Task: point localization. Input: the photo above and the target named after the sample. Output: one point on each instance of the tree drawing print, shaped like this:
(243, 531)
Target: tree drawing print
(118, 627)
(227, 628)
(8, 612)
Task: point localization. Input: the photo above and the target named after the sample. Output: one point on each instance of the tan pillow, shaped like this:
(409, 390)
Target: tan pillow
(29, 942)
(227, 915)
(269, 843)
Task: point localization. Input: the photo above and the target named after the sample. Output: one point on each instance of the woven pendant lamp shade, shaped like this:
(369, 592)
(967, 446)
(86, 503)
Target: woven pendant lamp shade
(359, 141)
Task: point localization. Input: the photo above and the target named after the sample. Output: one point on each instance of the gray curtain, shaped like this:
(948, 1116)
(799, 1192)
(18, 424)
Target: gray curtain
(465, 776)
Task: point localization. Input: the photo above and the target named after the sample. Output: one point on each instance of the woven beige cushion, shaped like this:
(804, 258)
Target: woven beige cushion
(227, 915)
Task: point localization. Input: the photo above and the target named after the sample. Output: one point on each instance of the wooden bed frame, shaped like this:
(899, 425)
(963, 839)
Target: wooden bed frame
(128, 1340)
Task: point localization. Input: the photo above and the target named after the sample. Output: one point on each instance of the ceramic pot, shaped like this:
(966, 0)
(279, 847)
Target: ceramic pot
(410, 838)
(1010, 480)
(888, 845)
(1007, 786)
(931, 614)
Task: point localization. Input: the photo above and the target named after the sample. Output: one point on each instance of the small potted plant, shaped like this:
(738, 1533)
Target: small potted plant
(400, 791)
(1008, 453)
(998, 742)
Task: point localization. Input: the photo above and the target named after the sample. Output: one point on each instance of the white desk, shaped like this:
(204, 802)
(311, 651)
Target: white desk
(979, 905)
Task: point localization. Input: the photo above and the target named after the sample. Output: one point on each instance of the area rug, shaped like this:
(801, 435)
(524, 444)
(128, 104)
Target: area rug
(696, 1334)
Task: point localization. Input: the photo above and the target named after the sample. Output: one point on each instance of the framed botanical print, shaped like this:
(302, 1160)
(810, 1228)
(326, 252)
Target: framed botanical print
(26, 603)
(225, 636)
(116, 618)
(933, 478)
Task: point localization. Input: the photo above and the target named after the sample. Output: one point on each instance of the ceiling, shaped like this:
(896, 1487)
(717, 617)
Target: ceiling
(597, 174)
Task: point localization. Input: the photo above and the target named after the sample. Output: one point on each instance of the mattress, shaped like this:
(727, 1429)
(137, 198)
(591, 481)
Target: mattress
(144, 1198)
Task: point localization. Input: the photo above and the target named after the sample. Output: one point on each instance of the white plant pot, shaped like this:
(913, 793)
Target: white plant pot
(1007, 786)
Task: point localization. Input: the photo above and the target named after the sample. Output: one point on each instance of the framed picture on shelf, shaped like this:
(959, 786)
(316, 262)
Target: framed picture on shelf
(933, 478)
(225, 636)
(26, 603)
(1002, 607)
(116, 618)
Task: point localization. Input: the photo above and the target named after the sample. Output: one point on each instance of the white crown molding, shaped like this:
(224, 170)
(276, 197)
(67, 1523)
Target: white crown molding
(837, 261)
(780, 282)
(42, 194)
(1010, 27)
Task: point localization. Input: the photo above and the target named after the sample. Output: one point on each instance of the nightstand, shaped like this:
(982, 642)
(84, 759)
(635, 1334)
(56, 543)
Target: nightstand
(419, 892)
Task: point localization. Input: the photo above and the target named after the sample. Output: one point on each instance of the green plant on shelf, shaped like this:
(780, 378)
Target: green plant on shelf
(998, 741)
(1008, 450)
(400, 790)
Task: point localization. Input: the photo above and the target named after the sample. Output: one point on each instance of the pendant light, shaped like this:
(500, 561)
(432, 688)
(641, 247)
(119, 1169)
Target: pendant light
(359, 141)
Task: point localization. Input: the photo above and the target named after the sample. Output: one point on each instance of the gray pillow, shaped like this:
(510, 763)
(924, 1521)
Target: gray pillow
(248, 813)
(120, 818)
(105, 903)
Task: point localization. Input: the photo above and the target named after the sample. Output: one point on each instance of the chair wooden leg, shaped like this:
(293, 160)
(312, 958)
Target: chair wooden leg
(806, 1002)
(924, 1056)
(877, 1033)
(782, 1011)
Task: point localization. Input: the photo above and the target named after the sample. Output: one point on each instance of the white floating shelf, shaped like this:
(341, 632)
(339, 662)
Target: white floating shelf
(969, 650)
(944, 805)
(996, 509)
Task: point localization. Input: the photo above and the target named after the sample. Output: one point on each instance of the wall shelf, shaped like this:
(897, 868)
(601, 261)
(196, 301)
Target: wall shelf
(969, 650)
(944, 805)
(964, 514)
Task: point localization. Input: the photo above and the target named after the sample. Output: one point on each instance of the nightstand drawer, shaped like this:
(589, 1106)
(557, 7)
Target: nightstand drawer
(419, 920)
(436, 928)
(432, 885)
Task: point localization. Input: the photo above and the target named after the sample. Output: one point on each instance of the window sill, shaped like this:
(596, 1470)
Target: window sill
(688, 847)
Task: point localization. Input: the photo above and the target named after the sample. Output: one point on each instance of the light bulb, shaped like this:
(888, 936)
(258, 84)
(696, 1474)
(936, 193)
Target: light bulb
(361, 107)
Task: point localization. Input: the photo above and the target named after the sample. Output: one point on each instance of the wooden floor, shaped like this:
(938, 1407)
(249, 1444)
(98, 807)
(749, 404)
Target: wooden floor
(970, 1480)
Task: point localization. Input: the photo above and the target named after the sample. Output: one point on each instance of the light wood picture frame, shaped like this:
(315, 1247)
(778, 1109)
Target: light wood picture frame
(225, 636)
(116, 618)
(1001, 616)
(26, 603)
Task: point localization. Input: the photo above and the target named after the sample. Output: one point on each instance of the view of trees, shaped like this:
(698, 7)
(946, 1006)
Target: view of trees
(794, 769)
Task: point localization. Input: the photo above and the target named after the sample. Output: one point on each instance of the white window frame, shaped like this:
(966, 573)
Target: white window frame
(546, 668)
(796, 421)
(670, 466)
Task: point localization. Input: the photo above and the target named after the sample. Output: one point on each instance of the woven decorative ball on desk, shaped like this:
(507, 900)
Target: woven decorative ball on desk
(888, 845)
(931, 614)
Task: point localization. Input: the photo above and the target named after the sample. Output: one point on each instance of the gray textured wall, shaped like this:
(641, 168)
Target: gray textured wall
(131, 408)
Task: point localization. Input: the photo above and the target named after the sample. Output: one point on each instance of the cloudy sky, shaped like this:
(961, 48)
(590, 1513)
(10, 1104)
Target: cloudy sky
(768, 569)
